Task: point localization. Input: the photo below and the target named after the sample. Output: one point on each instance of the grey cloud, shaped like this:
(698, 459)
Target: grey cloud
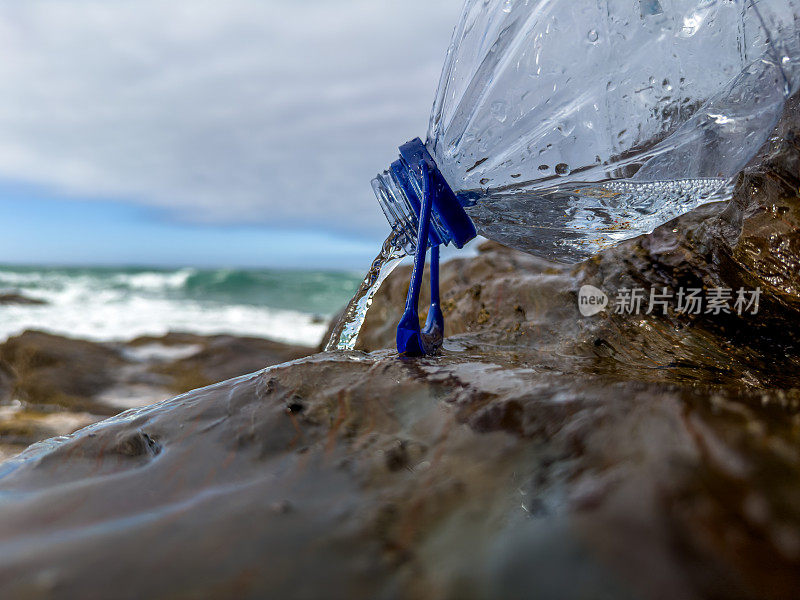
(276, 112)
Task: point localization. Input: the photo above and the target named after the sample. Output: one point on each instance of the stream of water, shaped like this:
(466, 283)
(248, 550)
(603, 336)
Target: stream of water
(345, 334)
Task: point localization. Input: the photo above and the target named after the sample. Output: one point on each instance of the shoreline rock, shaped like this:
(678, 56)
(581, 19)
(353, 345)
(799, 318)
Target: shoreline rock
(13, 298)
(51, 384)
(461, 476)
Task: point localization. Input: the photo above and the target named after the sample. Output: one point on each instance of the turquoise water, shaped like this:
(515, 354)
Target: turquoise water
(105, 303)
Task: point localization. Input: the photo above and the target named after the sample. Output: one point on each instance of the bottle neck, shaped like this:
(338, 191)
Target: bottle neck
(402, 212)
(399, 190)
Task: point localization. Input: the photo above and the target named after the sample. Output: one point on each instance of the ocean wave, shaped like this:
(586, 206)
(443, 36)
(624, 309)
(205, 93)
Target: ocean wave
(111, 304)
(155, 280)
(122, 321)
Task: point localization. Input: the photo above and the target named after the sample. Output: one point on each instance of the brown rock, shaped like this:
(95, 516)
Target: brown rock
(464, 476)
(223, 357)
(63, 384)
(60, 371)
(6, 382)
(13, 298)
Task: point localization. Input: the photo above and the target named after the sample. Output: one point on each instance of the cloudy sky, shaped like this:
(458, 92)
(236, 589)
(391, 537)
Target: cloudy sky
(226, 132)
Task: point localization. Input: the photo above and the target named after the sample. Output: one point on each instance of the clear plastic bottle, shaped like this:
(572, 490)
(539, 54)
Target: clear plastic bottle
(566, 126)
(563, 127)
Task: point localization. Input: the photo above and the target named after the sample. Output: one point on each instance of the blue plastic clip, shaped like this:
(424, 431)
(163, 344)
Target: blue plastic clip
(416, 172)
(410, 341)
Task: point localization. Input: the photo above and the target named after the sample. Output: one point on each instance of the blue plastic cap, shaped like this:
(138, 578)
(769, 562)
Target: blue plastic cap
(446, 206)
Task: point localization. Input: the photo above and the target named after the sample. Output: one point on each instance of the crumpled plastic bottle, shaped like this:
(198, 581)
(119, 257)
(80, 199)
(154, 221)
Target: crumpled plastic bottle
(564, 126)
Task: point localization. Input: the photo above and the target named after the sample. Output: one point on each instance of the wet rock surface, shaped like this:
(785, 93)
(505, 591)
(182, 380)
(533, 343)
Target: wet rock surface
(219, 357)
(52, 385)
(543, 454)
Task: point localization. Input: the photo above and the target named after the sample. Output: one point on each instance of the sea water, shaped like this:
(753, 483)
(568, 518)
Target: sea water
(119, 303)
(345, 333)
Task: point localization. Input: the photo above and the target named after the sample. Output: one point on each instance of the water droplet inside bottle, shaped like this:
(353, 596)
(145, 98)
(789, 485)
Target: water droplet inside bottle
(488, 136)
(484, 181)
(592, 35)
(565, 128)
(544, 167)
(666, 85)
(562, 169)
(499, 110)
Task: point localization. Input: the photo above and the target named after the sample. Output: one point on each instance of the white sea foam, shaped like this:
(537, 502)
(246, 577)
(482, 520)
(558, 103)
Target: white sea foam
(103, 321)
(155, 280)
(105, 306)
